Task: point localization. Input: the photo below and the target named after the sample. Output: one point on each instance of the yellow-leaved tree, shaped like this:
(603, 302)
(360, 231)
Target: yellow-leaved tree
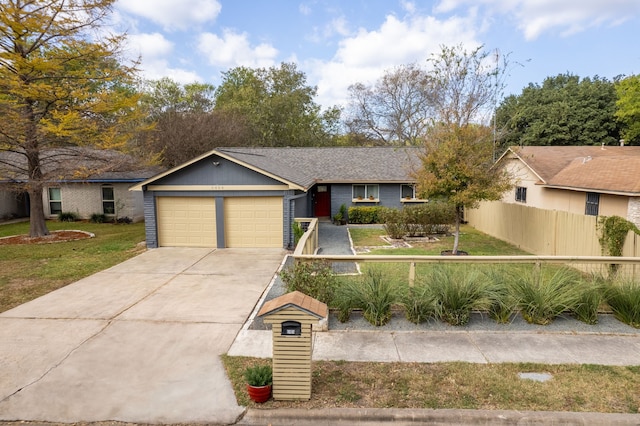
(66, 96)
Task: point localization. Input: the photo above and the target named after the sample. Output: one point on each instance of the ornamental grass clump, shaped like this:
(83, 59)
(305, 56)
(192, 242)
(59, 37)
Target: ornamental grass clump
(543, 295)
(374, 294)
(589, 300)
(502, 302)
(458, 290)
(623, 296)
(420, 303)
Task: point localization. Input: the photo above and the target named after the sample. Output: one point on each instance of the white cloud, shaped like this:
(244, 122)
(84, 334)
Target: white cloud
(365, 56)
(234, 49)
(536, 17)
(153, 50)
(172, 14)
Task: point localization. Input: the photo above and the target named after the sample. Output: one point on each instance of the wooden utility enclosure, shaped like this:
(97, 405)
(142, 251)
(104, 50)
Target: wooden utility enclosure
(291, 317)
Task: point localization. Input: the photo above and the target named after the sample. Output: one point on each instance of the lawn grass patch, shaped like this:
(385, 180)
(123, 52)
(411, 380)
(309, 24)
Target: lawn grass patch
(28, 271)
(471, 240)
(456, 385)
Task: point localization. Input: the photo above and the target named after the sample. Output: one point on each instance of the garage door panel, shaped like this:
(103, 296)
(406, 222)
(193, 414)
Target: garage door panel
(253, 221)
(186, 221)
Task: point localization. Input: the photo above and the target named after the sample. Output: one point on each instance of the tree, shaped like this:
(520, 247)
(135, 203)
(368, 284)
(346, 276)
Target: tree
(628, 109)
(564, 110)
(457, 164)
(185, 123)
(395, 110)
(61, 87)
(278, 106)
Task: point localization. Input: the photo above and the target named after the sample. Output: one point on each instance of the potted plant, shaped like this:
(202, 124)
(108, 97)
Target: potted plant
(259, 380)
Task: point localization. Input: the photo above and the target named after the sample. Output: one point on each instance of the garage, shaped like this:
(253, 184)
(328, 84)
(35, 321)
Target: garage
(186, 221)
(253, 221)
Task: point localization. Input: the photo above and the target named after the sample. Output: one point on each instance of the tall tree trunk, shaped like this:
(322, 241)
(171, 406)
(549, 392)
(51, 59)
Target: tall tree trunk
(37, 223)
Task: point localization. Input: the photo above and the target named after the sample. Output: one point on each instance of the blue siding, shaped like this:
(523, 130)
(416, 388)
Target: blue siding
(204, 172)
(390, 196)
(150, 228)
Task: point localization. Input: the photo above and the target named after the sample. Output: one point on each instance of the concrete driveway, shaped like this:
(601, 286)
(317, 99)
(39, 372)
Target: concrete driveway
(139, 342)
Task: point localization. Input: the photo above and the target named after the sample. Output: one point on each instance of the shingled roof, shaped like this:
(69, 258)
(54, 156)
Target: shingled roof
(613, 169)
(305, 167)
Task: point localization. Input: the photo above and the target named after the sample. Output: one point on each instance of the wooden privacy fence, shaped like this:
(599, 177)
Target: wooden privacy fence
(544, 232)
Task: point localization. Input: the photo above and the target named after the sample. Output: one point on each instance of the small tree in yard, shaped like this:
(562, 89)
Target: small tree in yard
(457, 164)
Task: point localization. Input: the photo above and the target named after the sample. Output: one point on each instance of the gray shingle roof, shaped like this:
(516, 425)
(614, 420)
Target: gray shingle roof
(306, 166)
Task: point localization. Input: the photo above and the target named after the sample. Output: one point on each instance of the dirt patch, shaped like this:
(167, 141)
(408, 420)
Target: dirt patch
(53, 237)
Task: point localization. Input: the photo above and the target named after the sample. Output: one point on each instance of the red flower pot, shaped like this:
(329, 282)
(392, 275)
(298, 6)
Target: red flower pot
(259, 394)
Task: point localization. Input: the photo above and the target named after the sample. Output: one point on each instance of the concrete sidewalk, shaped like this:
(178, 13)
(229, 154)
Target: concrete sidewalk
(474, 347)
(139, 342)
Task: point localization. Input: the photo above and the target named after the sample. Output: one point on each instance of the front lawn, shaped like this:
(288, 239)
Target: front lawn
(471, 240)
(457, 385)
(28, 271)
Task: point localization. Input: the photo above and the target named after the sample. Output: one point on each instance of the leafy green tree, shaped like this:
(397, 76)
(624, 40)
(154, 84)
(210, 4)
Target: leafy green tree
(458, 158)
(564, 110)
(61, 86)
(168, 96)
(628, 109)
(278, 106)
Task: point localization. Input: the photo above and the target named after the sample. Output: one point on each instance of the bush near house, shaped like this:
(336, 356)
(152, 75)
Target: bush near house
(425, 219)
(366, 215)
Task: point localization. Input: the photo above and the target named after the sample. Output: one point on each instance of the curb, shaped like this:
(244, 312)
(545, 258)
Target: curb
(371, 416)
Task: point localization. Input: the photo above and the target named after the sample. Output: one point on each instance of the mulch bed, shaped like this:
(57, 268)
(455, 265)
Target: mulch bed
(53, 237)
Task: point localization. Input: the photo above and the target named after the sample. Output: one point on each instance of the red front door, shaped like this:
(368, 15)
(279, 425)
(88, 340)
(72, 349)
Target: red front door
(323, 201)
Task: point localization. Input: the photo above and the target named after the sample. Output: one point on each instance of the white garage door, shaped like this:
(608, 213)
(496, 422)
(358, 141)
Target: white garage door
(253, 221)
(186, 221)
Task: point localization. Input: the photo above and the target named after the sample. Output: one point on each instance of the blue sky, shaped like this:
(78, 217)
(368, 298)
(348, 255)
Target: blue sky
(339, 42)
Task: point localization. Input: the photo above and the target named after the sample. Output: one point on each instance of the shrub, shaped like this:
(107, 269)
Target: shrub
(124, 219)
(366, 215)
(394, 224)
(315, 279)
(373, 294)
(623, 296)
(98, 218)
(458, 290)
(67, 217)
(259, 375)
(544, 295)
(298, 232)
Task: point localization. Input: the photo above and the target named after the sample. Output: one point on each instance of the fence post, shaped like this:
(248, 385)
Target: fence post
(412, 273)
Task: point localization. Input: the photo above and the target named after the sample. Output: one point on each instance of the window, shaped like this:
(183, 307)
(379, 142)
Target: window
(108, 201)
(408, 191)
(55, 201)
(364, 192)
(593, 204)
(521, 194)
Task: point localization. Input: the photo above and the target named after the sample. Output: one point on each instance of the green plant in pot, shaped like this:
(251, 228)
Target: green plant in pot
(259, 379)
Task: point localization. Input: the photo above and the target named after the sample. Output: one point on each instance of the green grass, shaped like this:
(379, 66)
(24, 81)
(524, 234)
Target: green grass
(471, 240)
(29, 271)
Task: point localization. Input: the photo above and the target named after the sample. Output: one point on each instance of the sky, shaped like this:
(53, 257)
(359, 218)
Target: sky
(337, 43)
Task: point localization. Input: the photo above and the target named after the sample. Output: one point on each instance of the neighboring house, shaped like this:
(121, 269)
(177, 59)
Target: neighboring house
(105, 191)
(591, 180)
(248, 197)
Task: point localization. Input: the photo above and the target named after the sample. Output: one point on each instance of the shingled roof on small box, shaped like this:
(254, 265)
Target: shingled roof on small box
(300, 300)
